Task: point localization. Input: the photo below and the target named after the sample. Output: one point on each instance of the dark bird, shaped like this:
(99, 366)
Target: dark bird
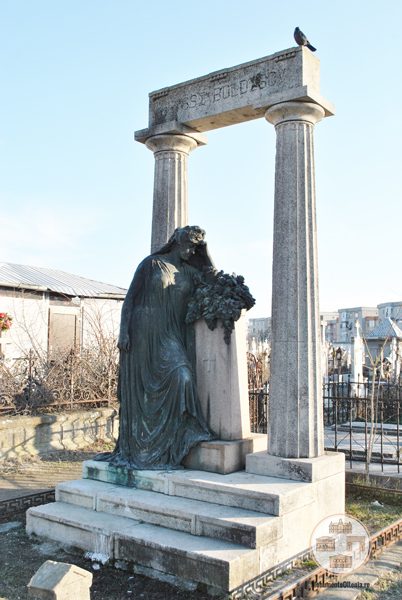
(301, 40)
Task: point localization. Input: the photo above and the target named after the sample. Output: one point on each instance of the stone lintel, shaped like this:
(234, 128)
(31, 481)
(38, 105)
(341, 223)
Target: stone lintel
(170, 128)
(237, 94)
(223, 456)
(299, 469)
(302, 94)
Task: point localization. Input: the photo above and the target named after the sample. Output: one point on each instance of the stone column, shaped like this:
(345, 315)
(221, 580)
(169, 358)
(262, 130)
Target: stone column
(170, 205)
(295, 426)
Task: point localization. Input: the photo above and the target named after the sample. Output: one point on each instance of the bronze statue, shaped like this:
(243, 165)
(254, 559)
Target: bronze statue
(160, 415)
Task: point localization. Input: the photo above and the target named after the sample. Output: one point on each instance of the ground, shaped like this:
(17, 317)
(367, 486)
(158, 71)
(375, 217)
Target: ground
(22, 556)
(388, 587)
(375, 514)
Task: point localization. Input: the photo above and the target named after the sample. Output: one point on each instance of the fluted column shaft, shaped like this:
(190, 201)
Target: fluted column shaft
(170, 203)
(295, 425)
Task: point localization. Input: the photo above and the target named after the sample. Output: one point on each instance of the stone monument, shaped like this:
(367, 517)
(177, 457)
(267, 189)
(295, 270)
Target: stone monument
(357, 362)
(210, 528)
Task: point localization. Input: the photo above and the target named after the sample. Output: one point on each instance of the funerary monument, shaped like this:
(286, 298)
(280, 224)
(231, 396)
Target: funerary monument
(242, 504)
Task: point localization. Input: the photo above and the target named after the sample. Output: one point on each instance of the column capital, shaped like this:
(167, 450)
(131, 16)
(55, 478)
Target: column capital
(295, 111)
(168, 142)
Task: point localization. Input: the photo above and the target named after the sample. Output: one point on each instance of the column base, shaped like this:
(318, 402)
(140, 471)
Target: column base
(298, 469)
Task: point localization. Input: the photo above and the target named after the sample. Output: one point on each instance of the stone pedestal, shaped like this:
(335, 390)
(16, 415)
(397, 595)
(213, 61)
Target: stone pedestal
(170, 203)
(191, 526)
(222, 380)
(223, 392)
(295, 423)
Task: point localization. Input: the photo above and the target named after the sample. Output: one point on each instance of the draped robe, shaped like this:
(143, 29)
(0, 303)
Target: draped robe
(160, 414)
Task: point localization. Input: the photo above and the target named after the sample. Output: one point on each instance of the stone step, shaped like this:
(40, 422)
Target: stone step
(269, 495)
(248, 528)
(200, 559)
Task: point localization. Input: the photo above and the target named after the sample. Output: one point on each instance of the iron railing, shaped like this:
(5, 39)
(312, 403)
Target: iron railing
(363, 420)
(33, 382)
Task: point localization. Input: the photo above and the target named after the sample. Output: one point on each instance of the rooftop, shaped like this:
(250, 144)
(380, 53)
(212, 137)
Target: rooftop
(387, 328)
(52, 280)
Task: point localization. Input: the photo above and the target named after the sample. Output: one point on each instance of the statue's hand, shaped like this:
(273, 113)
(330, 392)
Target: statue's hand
(124, 342)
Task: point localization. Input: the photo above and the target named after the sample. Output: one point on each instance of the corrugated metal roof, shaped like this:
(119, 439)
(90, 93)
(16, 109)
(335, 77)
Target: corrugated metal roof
(26, 277)
(387, 328)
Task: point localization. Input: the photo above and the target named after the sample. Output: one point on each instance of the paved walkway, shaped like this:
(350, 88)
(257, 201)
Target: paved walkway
(37, 476)
(388, 447)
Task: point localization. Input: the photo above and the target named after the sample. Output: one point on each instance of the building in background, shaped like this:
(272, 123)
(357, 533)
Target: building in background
(259, 329)
(393, 310)
(367, 318)
(352, 339)
(384, 350)
(54, 311)
(329, 326)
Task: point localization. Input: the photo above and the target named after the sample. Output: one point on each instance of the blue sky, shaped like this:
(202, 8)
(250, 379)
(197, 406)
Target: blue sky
(76, 190)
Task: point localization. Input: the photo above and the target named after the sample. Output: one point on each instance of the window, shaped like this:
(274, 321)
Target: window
(64, 330)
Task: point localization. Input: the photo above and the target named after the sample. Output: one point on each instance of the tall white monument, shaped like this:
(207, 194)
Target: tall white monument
(357, 361)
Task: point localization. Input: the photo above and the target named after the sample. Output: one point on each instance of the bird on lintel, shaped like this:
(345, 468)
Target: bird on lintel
(302, 40)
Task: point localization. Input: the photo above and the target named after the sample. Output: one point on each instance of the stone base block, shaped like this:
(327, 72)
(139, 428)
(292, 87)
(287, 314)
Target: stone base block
(223, 456)
(298, 469)
(60, 581)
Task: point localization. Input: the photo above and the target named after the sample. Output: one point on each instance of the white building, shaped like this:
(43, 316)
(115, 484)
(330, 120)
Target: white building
(367, 318)
(385, 346)
(391, 310)
(329, 326)
(54, 311)
(259, 329)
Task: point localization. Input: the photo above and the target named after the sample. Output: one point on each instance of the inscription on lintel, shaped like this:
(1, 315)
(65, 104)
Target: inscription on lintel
(235, 94)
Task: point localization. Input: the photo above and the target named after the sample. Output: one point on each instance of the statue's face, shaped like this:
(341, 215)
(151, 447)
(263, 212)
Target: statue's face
(186, 250)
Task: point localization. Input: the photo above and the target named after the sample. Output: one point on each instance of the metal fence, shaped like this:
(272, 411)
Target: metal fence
(363, 420)
(35, 383)
(258, 402)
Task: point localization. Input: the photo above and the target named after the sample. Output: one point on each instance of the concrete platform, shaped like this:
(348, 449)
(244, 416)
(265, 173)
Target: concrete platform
(199, 527)
(251, 529)
(270, 495)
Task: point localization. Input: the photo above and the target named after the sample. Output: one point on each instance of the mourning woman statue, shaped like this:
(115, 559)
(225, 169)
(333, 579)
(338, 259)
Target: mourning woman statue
(160, 415)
